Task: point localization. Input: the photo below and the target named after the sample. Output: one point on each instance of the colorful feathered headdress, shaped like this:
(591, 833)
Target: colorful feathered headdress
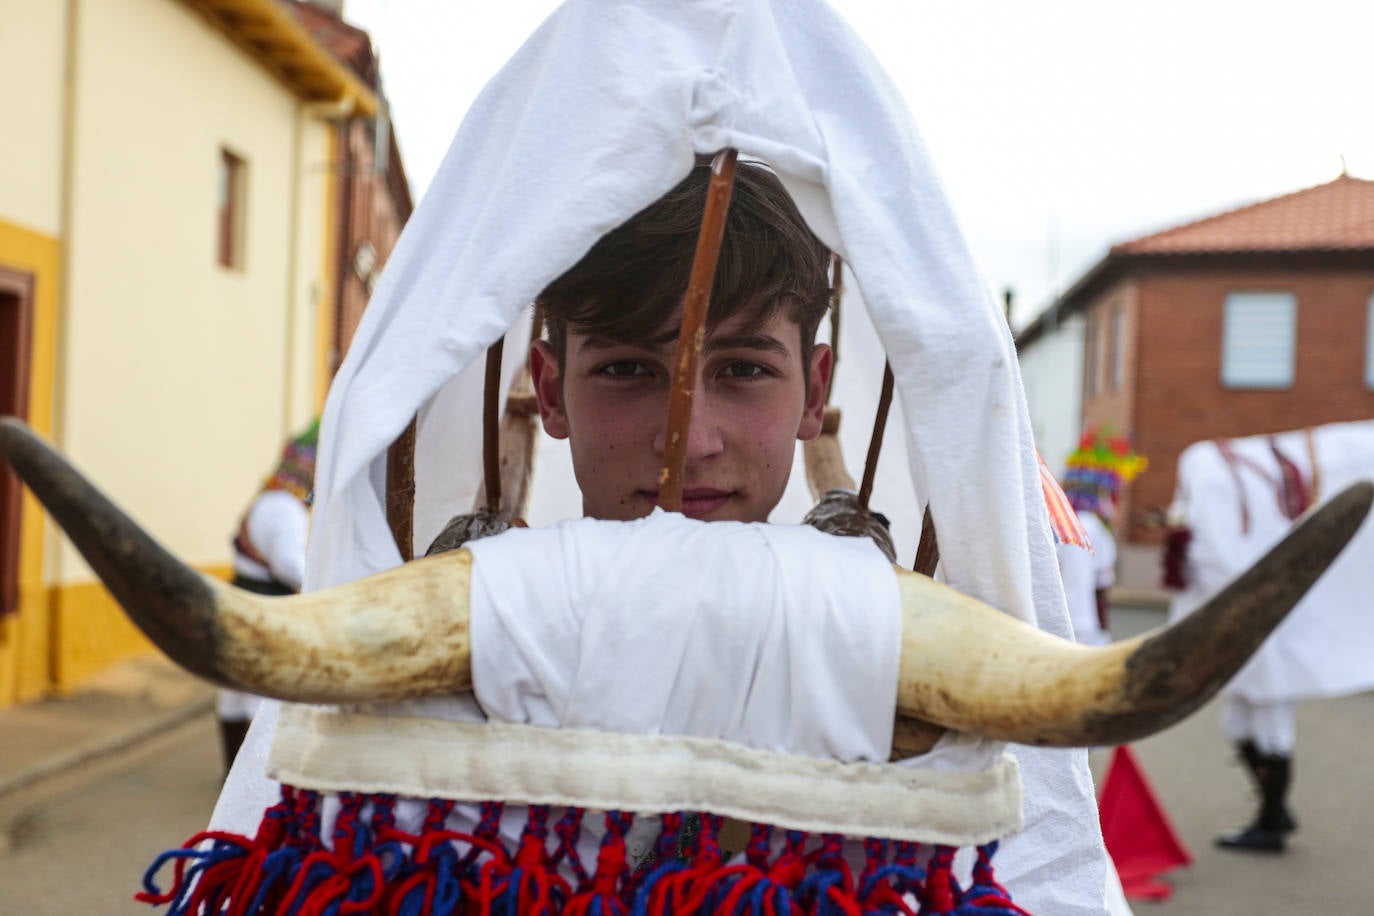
(1098, 469)
(295, 472)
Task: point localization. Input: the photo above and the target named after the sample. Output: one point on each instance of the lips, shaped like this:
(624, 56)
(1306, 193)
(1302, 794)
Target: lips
(697, 502)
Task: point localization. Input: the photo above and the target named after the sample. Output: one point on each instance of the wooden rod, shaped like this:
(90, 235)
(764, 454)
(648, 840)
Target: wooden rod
(824, 459)
(875, 443)
(836, 294)
(928, 550)
(693, 332)
(491, 426)
(400, 491)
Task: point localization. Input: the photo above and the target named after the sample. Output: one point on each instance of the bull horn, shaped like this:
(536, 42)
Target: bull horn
(404, 633)
(394, 642)
(970, 668)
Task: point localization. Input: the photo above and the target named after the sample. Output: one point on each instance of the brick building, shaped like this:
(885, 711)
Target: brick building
(1255, 320)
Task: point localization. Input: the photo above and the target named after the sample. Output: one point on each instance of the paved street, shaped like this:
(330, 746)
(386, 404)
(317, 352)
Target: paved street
(78, 844)
(1326, 868)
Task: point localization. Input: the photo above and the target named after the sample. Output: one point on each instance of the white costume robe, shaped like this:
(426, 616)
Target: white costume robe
(600, 113)
(1321, 649)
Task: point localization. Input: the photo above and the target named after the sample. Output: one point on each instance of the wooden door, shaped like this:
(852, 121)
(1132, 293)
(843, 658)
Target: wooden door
(16, 320)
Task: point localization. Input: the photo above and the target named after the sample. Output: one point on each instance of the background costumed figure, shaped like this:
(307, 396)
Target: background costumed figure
(1094, 477)
(269, 559)
(1236, 497)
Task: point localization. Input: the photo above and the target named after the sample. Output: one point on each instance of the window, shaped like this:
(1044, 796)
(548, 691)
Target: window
(1257, 340)
(233, 178)
(1369, 344)
(1116, 346)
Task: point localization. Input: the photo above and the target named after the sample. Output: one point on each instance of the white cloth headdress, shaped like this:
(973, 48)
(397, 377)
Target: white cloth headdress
(601, 112)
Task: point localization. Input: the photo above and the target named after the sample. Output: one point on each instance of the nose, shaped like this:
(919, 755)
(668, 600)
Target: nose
(704, 434)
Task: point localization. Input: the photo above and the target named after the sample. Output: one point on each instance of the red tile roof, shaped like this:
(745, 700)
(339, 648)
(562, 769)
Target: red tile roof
(1336, 216)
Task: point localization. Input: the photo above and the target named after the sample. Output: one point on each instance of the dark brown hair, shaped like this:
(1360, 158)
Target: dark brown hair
(632, 281)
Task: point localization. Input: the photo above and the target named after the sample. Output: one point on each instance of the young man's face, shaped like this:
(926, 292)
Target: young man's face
(754, 399)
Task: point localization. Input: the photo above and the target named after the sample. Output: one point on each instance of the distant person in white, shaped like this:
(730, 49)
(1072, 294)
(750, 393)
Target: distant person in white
(1095, 475)
(1088, 574)
(269, 559)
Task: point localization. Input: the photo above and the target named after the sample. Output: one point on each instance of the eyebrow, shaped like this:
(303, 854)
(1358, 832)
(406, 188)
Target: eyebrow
(749, 342)
(764, 342)
(603, 342)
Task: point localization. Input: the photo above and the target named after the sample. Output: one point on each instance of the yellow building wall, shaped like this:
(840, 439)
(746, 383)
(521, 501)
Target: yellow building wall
(314, 261)
(31, 108)
(177, 378)
(25, 636)
(325, 320)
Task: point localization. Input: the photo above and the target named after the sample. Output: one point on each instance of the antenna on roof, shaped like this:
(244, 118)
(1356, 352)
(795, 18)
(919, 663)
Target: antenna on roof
(1345, 172)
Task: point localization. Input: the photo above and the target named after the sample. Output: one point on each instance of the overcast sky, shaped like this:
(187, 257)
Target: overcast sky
(1058, 128)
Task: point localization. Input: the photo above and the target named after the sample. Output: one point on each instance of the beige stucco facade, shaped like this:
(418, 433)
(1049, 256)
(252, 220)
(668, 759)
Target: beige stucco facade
(170, 379)
(31, 111)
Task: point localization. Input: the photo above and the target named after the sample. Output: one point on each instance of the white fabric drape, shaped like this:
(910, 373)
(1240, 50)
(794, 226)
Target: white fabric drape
(597, 115)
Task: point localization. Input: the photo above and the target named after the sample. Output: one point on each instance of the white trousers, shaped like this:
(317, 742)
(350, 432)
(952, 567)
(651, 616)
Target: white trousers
(1272, 726)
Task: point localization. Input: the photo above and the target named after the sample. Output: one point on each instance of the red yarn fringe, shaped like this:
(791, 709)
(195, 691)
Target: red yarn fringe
(372, 867)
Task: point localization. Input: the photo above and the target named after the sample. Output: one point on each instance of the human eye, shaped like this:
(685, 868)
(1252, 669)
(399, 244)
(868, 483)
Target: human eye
(744, 369)
(622, 369)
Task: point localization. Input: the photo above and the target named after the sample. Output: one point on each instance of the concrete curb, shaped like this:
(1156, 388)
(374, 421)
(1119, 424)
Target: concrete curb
(70, 760)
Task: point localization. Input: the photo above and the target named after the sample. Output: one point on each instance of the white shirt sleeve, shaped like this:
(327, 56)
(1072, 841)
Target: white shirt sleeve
(278, 524)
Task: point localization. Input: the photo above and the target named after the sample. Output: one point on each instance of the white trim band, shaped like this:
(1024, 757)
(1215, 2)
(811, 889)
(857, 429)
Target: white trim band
(331, 750)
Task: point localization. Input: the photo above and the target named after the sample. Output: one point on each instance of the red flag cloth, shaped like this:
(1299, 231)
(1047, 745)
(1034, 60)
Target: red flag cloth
(1139, 835)
(1063, 519)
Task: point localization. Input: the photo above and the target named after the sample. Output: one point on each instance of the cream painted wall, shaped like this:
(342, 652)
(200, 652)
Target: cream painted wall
(1052, 372)
(175, 371)
(31, 55)
(308, 287)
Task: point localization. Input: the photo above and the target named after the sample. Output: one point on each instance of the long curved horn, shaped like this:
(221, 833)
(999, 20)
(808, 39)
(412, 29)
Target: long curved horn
(402, 633)
(964, 665)
(971, 668)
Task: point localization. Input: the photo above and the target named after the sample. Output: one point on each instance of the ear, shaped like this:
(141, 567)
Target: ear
(817, 384)
(548, 389)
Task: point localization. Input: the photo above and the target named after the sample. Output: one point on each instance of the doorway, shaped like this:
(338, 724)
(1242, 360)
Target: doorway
(16, 321)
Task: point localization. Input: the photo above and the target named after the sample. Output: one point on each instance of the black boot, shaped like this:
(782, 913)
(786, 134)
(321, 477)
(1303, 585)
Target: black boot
(1258, 763)
(1272, 773)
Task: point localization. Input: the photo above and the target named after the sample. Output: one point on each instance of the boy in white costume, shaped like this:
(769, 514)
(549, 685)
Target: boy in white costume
(601, 379)
(599, 115)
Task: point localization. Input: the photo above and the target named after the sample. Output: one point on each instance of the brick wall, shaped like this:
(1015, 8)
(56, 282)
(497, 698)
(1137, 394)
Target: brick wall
(1178, 397)
(372, 217)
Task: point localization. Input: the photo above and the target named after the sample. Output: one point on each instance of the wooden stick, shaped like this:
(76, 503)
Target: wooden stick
(519, 430)
(836, 294)
(824, 460)
(400, 491)
(693, 333)
(928, 550)
(491, 426)
(875, 443)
